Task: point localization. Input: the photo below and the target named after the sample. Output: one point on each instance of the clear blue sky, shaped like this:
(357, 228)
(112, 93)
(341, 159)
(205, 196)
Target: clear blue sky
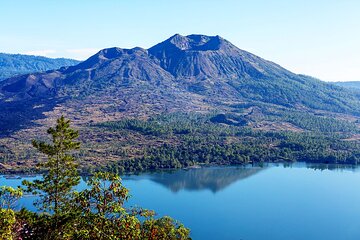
(315, 37)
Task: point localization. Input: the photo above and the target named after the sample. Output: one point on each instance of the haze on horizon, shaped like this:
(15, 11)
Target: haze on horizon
(318, 38)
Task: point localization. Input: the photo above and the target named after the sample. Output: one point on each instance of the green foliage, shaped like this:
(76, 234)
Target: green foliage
(34, 226)
(136, 125)
(9, 196)
(190, 139)
(292, 91)
(61, 174)
(7, 221)
(314, 123)
(96, 213)
(104, 197)
(101, 214)
(169, 124)
(164, 228)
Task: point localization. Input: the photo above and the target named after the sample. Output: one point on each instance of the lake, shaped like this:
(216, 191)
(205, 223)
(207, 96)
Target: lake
(271, 202)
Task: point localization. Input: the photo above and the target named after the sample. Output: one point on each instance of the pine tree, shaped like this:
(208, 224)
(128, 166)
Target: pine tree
(60, 170)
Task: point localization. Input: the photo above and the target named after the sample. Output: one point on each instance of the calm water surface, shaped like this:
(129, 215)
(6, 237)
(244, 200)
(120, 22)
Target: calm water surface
(273, 202)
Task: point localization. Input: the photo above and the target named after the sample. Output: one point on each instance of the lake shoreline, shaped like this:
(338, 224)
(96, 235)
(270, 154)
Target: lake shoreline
(330, 166)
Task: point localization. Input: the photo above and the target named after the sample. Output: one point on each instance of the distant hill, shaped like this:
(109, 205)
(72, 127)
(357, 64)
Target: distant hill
(350, 84)
(15, 64)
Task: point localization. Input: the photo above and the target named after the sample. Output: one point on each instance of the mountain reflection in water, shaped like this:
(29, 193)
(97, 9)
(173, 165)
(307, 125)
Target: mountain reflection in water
(214, 179)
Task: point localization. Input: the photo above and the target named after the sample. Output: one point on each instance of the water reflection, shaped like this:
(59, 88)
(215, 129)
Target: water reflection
(213, 179)
(302, 199)
(317, 166)
(333, 167)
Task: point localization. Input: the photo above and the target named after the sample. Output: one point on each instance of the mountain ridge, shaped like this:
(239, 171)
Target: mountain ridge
(182, 73)
(17, 64)
(348, 84)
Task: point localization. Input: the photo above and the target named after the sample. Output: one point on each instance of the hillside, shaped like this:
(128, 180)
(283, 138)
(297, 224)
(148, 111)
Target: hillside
(233, 90)
(350, 84)
(194, 68)
(16, 64)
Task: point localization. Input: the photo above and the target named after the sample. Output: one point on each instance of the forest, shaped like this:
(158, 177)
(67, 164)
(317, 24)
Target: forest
(180, 140)
(219, 139)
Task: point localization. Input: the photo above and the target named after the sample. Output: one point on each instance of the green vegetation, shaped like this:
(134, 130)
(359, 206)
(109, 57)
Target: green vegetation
(7, 220)
(354, 85)
(249, 134)
(292, 91)
(8, 197)
(183, 140)
(310, 122)
(61, 174)
(98, 212)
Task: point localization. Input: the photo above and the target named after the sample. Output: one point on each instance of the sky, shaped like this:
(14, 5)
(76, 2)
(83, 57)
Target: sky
(320, 38)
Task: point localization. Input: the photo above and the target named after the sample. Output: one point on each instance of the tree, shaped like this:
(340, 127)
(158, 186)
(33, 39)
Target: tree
(9, 196)
(101, 214)
(7, 221)
(60, 174)
(96, 213)
(100, 211)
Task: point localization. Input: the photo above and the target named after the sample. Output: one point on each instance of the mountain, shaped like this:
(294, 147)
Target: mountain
(15, 64)
(183, 73)
(120, 96)
(350, 84)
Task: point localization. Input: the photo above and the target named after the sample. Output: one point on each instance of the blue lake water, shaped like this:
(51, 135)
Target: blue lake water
(272, 202)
